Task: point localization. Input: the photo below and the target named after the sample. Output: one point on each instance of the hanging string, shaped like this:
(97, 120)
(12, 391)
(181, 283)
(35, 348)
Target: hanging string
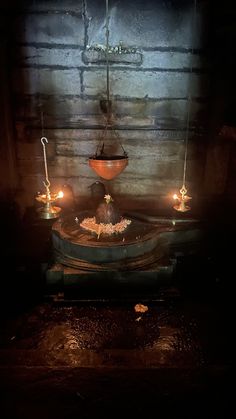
(108, 105)
(99, 147)
(189, 95)
(108, 75)
(40, 102)
(43, 139)
(107, 49)
(42, 122)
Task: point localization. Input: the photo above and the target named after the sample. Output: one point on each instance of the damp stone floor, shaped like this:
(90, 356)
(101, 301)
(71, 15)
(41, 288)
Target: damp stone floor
(100, 359)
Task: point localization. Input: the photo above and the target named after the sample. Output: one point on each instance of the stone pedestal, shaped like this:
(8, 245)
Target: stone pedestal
(140, 260)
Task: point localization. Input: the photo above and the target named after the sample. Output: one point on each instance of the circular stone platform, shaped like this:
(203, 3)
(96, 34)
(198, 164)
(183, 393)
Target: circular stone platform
(138, 246)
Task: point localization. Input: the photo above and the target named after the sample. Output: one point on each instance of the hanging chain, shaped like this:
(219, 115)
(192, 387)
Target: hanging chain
(108, 85)
(43, 139)
(39, 99)
(42, 122)
(107, 49)
(189, 95)
(109, 121)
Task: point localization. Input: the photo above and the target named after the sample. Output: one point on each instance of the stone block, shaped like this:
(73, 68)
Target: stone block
(54, 275)
(32, 167)
(138, 187)
(143, 23)
(149, 84)
(137, 112)
(217, 167)
(27, 106)
(55, 6)
(146, 167)
(32, 151)
(143, 148)
(155, 149)
(73, 111)
(50, 28)
(97, 121)
(98, 57)
(130, 135)
(28, 55)
(63, 166)
(172, 109)
(172, 60)
(72, 148)
(46, 81)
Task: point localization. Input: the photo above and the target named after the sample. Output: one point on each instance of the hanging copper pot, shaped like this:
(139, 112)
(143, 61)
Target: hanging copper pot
(108, 167)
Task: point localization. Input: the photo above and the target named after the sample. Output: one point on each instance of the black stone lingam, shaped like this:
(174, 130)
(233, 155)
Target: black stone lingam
(107, 212)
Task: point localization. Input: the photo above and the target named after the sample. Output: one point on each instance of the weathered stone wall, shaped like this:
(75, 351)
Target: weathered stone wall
(58, 68)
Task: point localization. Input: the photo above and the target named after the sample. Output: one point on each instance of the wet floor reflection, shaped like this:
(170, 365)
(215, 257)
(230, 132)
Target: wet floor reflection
(63, 333)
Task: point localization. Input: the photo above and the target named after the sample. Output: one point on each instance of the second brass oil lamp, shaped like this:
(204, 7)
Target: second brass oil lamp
(48, 210)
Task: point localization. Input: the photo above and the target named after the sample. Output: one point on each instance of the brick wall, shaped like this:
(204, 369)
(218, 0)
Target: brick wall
(58, 67)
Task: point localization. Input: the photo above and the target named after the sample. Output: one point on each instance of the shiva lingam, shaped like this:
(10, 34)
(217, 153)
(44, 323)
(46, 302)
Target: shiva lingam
(107, 220)
(48, 211)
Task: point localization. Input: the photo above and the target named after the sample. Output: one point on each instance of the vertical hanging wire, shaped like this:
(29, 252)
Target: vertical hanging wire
(108, 119)
(189, 95)
(43, 139)
(108, 82)
(107, 49)
(108, 75)
(40, 103)
(39, 99)
(42, 122)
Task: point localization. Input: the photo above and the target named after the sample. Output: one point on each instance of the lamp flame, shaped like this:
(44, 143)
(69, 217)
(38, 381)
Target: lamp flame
(60, 194)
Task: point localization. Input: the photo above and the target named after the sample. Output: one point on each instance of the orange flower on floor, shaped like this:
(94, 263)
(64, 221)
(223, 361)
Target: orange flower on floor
(140, 308)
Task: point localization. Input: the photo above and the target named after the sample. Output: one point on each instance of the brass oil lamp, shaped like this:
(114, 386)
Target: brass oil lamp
(182, 200)
(48, 210)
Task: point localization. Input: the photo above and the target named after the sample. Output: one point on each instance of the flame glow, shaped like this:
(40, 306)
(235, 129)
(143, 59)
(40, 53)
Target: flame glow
(175, 196)
(60, 194)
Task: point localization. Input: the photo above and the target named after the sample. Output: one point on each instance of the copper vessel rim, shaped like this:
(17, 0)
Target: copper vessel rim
(108, 158)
